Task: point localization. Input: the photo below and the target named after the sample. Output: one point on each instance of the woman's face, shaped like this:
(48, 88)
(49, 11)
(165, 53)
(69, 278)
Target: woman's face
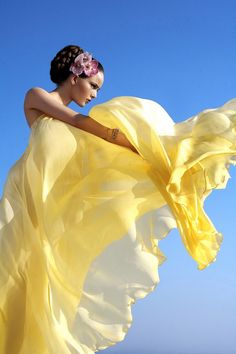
(84, 90)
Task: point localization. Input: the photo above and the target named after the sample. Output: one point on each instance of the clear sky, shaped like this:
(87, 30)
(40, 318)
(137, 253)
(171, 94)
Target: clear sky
(181, 54)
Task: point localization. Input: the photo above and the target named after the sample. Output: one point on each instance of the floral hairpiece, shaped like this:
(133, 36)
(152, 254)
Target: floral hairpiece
(84, 63)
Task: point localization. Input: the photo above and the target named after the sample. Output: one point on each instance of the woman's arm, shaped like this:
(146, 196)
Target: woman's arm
(38, 98)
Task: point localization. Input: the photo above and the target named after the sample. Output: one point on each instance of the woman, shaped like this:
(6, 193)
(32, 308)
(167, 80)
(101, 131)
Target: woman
(72, 85)
(84, 207)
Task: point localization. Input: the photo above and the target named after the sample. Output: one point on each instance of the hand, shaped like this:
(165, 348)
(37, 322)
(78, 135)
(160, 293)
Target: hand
(120, 139)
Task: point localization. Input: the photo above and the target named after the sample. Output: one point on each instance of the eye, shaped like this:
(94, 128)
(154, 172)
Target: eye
(94, 86)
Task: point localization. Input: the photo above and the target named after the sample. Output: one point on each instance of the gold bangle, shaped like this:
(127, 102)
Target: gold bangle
(114, 133)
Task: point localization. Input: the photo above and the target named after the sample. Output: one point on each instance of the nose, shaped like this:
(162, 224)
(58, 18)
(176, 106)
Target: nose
(94, 94)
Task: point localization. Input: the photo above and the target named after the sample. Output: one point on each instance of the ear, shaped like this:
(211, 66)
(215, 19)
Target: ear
(73, 79)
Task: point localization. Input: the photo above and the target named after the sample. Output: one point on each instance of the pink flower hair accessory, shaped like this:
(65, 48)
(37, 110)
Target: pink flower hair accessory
(84, 63)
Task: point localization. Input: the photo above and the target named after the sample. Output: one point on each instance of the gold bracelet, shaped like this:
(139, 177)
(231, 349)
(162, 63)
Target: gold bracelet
(115, 133)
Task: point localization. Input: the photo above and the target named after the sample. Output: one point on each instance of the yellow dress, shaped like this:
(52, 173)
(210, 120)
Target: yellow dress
(81, 218)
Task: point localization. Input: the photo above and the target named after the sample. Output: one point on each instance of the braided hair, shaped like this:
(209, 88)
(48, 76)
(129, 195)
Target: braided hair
(61, 63)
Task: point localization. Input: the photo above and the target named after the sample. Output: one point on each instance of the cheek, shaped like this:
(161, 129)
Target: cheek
(84, 89)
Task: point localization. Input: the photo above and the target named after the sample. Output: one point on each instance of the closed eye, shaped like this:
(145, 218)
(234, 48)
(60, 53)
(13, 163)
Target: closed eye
(95, 87)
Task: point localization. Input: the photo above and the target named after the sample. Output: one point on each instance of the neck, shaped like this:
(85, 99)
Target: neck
(61, 94)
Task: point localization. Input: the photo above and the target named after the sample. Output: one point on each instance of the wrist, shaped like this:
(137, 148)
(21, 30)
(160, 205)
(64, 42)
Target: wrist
(112, 134)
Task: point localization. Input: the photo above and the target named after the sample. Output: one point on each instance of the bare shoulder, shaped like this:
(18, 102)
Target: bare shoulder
(31, 112)
(39, 101)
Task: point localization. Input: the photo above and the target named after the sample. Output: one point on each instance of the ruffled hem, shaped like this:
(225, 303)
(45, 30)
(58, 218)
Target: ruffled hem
(127, 270)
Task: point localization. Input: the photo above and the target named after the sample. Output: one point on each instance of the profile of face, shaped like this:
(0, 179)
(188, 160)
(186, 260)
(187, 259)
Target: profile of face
(86, 89)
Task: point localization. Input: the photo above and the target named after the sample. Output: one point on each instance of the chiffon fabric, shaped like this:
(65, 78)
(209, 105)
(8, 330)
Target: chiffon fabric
(81, 220)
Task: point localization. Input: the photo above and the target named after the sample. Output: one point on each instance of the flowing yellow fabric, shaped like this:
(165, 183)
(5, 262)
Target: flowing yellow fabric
(185, 166)
(72, 201)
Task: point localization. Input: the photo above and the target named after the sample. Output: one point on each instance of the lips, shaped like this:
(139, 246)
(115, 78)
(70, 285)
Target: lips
(87, 100)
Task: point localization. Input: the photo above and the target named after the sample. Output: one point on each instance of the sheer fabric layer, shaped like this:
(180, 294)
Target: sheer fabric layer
(81, 218)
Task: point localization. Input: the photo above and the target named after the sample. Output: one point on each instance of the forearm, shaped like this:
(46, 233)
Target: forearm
(89, 125)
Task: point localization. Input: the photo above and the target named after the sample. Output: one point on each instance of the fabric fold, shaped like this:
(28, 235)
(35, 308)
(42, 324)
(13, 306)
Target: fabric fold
(81, 220)
(188, 161)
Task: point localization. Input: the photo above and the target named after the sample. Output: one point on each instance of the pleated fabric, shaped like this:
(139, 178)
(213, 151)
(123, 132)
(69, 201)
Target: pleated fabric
(81, 220)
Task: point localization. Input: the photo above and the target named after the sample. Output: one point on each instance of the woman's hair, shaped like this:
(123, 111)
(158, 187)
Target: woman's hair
(61, 63)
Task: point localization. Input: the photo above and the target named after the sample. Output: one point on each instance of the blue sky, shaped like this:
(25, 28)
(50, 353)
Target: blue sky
(181, 54)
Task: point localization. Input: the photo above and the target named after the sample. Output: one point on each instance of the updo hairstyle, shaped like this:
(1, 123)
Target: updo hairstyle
(61, 63)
